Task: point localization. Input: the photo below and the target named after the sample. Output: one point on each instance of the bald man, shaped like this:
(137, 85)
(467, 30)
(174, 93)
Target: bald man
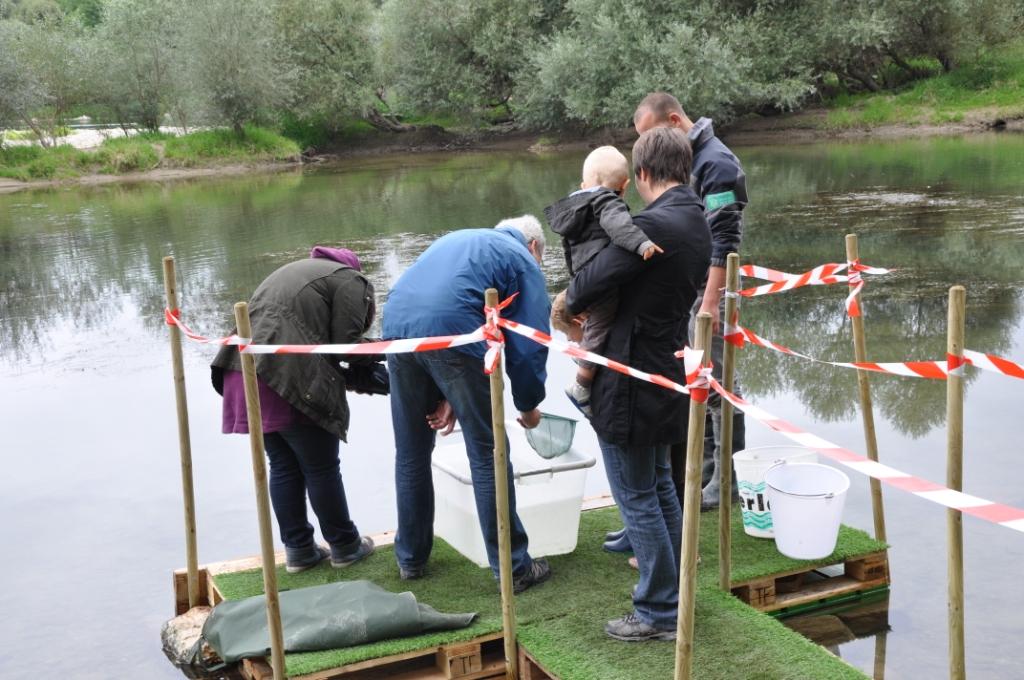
(719, 180)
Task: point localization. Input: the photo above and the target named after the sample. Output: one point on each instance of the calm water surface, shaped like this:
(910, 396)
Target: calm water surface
(90, 491)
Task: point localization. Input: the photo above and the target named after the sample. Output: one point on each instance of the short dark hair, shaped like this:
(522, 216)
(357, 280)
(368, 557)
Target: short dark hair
(664, 154)
(661, 104)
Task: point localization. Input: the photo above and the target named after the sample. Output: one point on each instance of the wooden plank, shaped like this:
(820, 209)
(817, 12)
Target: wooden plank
(530, 669)
(873, 567)
(805, 569)
(180, 582)
(256, 669)
(459, 661)
(812, 584)
(819, 591)
(427, 654)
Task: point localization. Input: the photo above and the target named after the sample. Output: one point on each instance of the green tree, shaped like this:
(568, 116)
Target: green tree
(460, 57)
(241, 66)
(331, 43)
(139, 64)
(20, 93)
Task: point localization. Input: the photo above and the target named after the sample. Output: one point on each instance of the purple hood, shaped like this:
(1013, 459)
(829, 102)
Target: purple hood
(342, 255)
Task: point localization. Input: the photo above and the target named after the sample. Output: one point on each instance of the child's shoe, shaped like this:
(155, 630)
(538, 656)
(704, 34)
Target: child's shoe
(580, 397)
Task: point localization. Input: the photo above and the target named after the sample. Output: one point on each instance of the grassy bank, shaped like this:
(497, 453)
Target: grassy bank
(987, 89)
(146, 151)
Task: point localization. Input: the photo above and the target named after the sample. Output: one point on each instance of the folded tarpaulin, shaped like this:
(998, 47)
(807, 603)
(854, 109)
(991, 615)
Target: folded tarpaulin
(323, 617)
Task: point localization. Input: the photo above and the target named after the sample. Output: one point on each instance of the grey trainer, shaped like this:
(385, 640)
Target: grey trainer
(631, 629)
(352, 553)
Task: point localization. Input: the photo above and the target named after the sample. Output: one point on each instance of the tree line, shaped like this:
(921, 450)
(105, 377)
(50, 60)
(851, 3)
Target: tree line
(320, 64)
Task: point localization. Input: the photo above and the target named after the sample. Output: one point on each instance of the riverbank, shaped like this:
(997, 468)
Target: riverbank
(147, 157)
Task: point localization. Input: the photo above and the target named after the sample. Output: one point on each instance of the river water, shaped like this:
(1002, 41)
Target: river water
(90, 509)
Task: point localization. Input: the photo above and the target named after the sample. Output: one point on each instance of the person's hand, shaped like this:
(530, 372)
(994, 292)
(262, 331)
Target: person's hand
(443, 418)
(710, 305)
(529, 419)
(652, 251)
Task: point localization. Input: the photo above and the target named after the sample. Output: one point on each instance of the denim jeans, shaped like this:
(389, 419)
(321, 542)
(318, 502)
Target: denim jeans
(304, 459)
(641, 482)
(418, 382)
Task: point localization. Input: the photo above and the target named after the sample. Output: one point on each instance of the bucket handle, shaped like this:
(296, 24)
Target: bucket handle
(827, 496)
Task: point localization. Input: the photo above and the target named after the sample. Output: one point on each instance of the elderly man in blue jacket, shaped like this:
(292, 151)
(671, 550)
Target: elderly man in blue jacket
(442, 293)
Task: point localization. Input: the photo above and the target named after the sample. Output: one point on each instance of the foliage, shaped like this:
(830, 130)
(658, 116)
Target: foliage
(139, 61)
(992, 84)
(329, 41)
(238, 59)
(314, 67)
(443, 56)
(253, 143)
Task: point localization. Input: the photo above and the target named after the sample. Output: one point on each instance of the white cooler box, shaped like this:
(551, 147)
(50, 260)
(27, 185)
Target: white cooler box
(549, 494)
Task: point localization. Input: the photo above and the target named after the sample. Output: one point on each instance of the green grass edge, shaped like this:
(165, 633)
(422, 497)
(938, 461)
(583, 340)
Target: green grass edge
(569, 640)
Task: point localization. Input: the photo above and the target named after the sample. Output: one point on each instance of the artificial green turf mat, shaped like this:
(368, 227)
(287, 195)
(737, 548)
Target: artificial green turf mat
(561, 622)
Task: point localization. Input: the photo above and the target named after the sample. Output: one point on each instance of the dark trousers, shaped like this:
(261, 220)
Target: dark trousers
(304, 460)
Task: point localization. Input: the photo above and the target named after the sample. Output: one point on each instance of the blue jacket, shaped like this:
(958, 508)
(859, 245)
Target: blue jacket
(442, 293)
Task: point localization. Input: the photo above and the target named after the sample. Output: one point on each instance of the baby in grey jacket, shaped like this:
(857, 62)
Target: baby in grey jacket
(588, 221)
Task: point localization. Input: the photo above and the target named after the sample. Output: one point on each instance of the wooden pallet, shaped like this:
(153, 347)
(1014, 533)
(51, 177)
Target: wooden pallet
(808, 585)
(478, 659)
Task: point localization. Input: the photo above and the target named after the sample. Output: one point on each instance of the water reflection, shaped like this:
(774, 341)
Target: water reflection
(80, 316)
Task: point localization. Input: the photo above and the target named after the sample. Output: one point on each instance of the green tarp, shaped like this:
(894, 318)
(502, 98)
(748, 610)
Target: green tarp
(330, 616)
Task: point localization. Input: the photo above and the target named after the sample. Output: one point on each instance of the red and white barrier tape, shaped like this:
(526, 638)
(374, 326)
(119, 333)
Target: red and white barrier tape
(739, 336)
(697, 376)
(822, 275)
(245, 345)
(1004, 515)
(936, 370)
(172, 317)
(698, 380)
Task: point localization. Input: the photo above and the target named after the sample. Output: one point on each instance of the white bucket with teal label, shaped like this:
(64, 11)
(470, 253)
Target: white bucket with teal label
(749, 466)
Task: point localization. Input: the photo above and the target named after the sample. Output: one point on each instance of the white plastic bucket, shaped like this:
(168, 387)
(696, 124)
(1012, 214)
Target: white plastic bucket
(807, 506)
(749, 466)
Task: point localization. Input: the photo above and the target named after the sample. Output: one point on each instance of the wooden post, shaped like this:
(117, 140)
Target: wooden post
(732, 284)
(691, 516)
(259, 474)
(867, 413)
(955, 481)
(879, 668)
(184, 439)
(508, 606)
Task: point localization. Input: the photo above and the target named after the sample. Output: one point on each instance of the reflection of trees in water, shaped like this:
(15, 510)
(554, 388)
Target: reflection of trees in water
(79, 258)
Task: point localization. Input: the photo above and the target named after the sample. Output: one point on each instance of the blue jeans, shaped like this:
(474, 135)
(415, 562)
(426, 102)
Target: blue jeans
(419, 382)
(304, 459)
(641, 482)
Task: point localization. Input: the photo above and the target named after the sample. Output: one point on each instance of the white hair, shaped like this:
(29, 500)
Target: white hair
(528, 226)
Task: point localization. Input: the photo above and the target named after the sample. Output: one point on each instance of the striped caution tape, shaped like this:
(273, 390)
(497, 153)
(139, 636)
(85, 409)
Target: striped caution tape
(822, 275)
(739, 336)
(697, 376)
(936, 370)
(1004, 515)
(245, 345)
(172, 317)
(699, 381)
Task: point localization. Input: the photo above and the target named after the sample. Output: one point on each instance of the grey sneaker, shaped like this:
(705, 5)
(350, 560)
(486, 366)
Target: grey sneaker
(538, 572)
(411, 573)
(631, 629)
(296, 563)
(580, 397)
(352, 553)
